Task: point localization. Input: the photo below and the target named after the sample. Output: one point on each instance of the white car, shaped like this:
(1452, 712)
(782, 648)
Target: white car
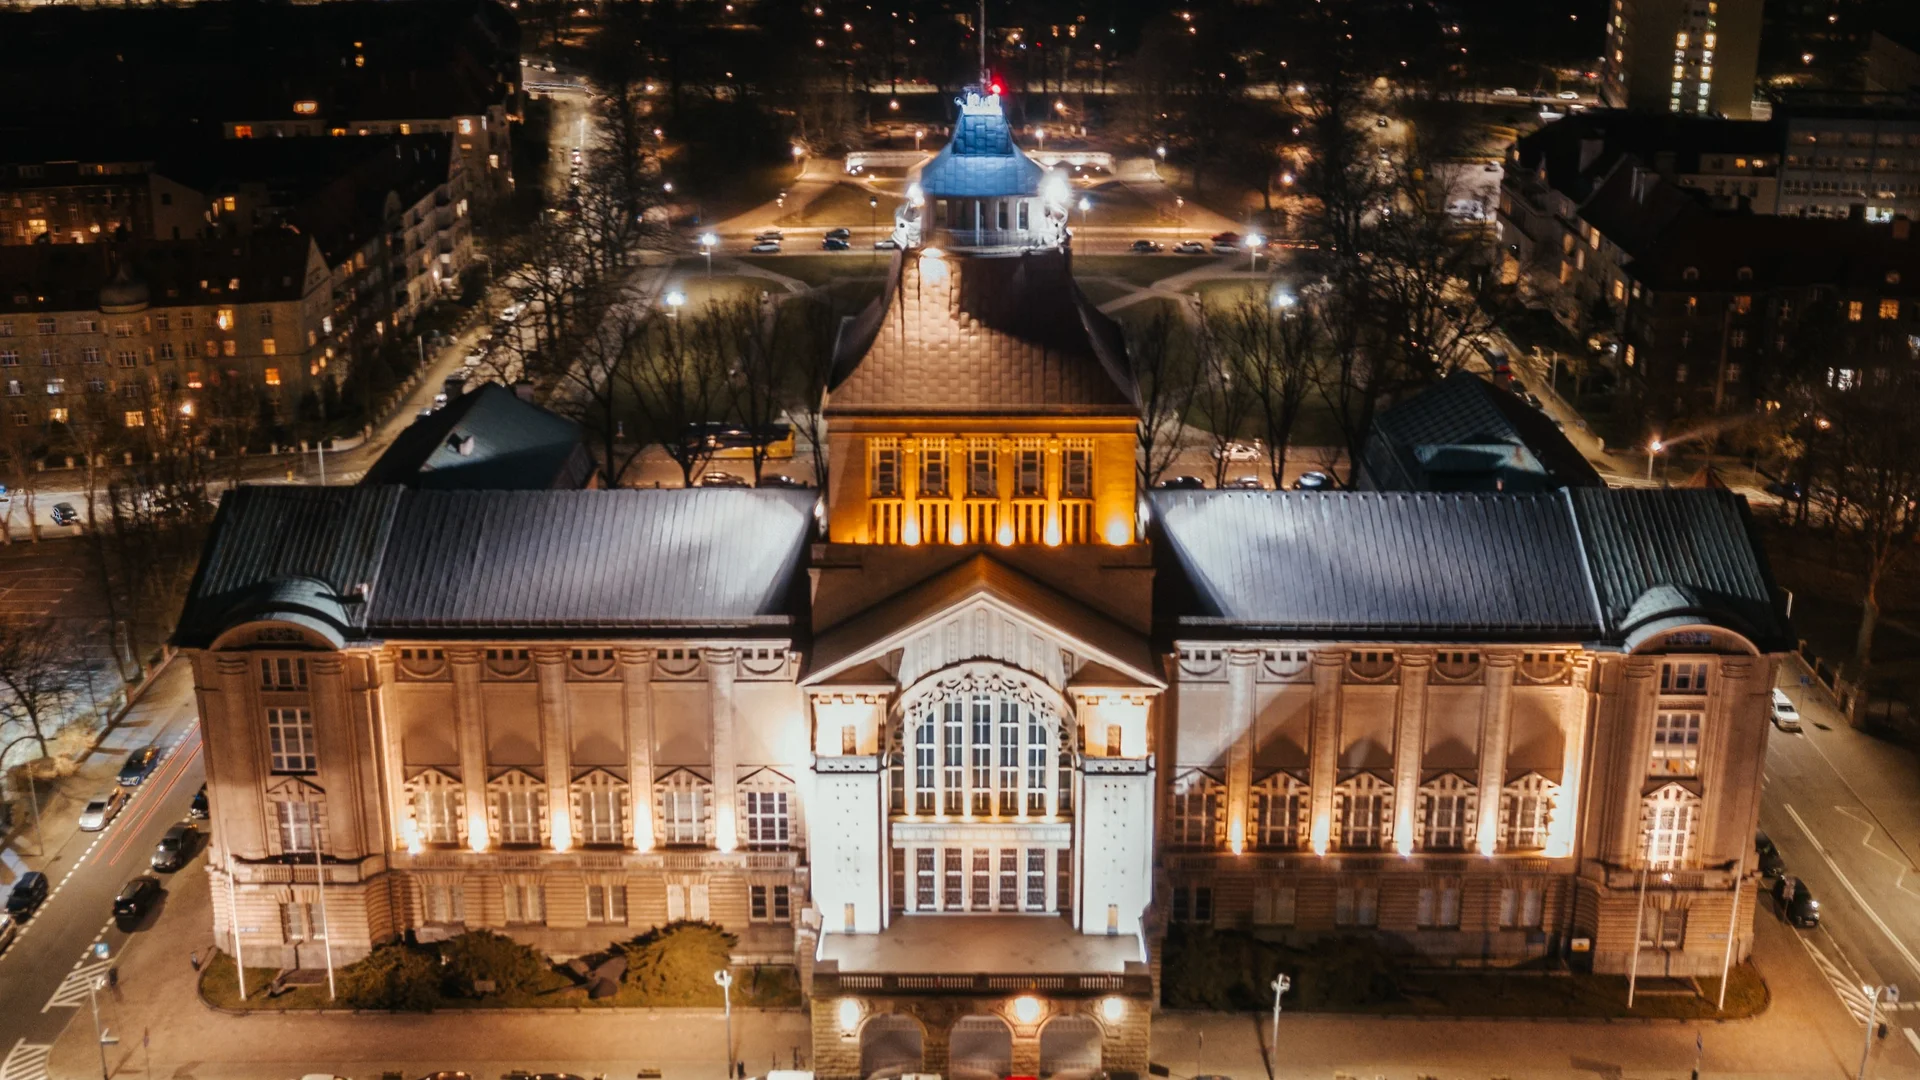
(103, 809)
(474, 356)
(766, 247)
(513, 311)
(1567, 95)
(1240, 451)
(1506, 91)
(1785, 716)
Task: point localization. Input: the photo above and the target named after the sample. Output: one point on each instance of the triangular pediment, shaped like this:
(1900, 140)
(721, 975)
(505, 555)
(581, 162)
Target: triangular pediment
(982, 609)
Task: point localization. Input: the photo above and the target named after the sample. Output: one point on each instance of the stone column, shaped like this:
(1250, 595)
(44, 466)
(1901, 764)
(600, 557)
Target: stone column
(910, 489)
(1563, 830)
(721, 668)
(1409, 744)
(636, 693)
(1731, 704)
(556, 758)
(235, 738)
(1329, 672)
(1006, 478)
(333, 732)
(464, 663)
(1626, 764)
(1242, 665)
(1496, 713)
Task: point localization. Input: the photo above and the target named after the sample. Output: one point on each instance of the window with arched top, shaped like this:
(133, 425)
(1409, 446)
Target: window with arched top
(767, 804)
(517, 808)
(1448, 805)
(1363, 813)
(1279, 813)
(438, 807)
(982, 745)
(600, 809)
(1196, 812)
(1745, 273)
(1691, 273)
(1526, 812)
(683, 809)
(1667, 819)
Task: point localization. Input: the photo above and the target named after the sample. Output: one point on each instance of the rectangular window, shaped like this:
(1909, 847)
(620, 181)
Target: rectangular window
(1855, 311)
(1192, 904)
(436, 811)
(1676, 744)
(1277, 815)
(519, 812)
(603, 814)
(953, 896)
(526, 904)
(290, 740)
(683, 815)
(1356, 905)
(299, 922)
(1036, 765)
(444, 903)
(9, 358)
(982, 483)
(886, 471)
(1889, 309)
(47, 325)
(272, 374)
(1009, 897)
(952, 767)
(300, 827)
(1360, 821)
(270, 347)
(1063, 880)
(606, 904)
(923, 775)
(850, 741)
(767, 821)
(899, 879)
(1024, 217)
(1527, 816)
(90, 355)
(1273, 906)
(1446, 822)
(1521, 908)
(1439, 906)
(1036, 879)
(1031, 476)
(1076, 481)
(982, 884)
(1683, 677)
(1196, 805)
(933, 471)
(982, 773)
(283, 673)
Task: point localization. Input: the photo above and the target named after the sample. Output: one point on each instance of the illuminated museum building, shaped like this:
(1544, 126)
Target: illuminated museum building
(966, 741)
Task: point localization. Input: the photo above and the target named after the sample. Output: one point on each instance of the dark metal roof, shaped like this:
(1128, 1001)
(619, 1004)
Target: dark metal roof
(529, 561)
(327, 539)
(515, 445)
(1586, 564)
(1514, 447)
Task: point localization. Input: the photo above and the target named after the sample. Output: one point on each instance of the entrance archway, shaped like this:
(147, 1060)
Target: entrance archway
(890, 1045)
(980, 1048)
(1070, 1048)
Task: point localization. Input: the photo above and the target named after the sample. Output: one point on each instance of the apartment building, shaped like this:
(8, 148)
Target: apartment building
(1693, 57)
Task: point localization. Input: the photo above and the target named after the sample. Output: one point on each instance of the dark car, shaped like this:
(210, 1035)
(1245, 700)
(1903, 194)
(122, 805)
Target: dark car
(1796, 901)
(197, 810)
(136, 898)
(779, 480)
(1787, 489)
(840, 234)
(65, 514)
(1771, 864)
(138, 765)
(27, 895)
(1181, 483)
(834, 243)
(175, 848)
(1312, 481)
(1145, 247)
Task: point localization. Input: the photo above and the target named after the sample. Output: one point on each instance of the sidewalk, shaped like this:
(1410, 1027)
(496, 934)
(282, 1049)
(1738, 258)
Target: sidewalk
(162, 714)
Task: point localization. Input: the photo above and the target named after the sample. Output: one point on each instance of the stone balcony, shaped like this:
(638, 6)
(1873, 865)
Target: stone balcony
(981, 954)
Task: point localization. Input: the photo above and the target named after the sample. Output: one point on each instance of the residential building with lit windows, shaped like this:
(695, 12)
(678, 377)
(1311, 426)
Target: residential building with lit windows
(1682, 56)
(965, 741)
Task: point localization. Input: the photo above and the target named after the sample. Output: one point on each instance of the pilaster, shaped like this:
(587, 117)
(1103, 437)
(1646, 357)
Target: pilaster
(237, 759)
(464, 664)
(1409, 744)
(333, 731)
(550, 676)
(1637, 700)
(1241, 667)
(636, 694)
(721, 669)
(1496, 713)
(1329, 672)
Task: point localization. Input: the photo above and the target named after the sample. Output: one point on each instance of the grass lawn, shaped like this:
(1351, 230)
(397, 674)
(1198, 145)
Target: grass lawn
(841, 205)
(702, 291)
(1493, 993)
(1229, 292)
(1102, 290)
(1138, 269)
(824, 267)
(1115, 204)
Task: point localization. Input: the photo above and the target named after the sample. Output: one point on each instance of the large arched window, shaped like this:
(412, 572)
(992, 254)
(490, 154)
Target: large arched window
(982, 746)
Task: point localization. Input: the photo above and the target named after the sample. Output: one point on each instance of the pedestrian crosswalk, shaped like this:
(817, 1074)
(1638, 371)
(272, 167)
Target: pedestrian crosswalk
(26, 1061)
(73, 989)
(1846, 984)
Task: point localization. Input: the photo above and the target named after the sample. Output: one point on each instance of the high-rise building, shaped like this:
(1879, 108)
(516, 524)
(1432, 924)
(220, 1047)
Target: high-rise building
(1682, 56)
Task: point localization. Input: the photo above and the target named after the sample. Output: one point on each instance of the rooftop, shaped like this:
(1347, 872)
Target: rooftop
(1465, 434)
(981, 159)
(488, 439)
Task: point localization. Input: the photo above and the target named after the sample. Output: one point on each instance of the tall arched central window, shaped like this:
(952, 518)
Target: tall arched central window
(981, 747)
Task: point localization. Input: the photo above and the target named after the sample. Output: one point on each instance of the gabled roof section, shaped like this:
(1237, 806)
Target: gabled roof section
(1661, 556)
(298, 550)
(1465, 434)
(981, 159)
(858, 641)
(586, 560)
(963, 335)
(1392, 565)
(488, 439)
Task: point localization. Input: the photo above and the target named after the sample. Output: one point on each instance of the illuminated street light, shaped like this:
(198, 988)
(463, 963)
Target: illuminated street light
(707, 243)
(1254, 240)
(918, 134)
(1654, 447)
(675, 301)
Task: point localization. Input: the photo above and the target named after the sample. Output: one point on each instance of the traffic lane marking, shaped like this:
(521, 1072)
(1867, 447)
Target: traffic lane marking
(1847, 883)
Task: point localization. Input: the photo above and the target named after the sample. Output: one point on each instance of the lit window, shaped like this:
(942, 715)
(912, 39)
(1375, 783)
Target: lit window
(136, 418)
(1889, 309)
(1855, 310)
(306, 108)
(193, 380)
(1680, 40)
(243, 131)
(606, 904)
(58, 416)
(1196, 811)
(291, 744)
(300, 827)
(227, 204)
(493, 161)
(406, 129)
(768, 825)
(886, 471)
(466, 127)
(270, 347)
(224, 319)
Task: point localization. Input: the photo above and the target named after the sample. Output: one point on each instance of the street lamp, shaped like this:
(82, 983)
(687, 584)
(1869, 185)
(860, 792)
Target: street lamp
(918, 134)
(1086, 204)
(873, 221)
(1179, 219)
(675, 301)
(724, 980)
(1654, 447)
(1281, 984)
(1254, 240)
(1875, 995)
(707, 242)
(1040, 133)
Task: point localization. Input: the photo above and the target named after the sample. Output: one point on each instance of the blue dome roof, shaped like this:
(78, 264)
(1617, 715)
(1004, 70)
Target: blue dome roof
(981, 160)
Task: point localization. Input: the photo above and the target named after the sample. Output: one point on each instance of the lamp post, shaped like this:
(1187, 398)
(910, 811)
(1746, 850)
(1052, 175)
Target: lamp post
(1160, 152)
(1086, 204)
(1179, 219)
(918, 134)
(100, 1034)
(1281, 984)
(1875, 994)
(1254, 240)
(724, 979)
(675, 301)
(707, 242)
(873, 223)
(1654, 447)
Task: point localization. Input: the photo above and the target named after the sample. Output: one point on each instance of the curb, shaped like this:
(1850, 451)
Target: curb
(1424, 1018)
(516, 1010)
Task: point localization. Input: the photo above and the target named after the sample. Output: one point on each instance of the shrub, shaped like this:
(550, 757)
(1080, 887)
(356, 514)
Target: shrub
(392, 976)
(483, 955)
(674, 964)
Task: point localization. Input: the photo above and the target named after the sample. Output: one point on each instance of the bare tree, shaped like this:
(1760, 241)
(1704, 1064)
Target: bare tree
(1873, 457)
(22, 444)
(1274, 350)
(1163, 374)
(808, 329)
(760, 390)
(38, 676)
(1222, 404)
(676, 371)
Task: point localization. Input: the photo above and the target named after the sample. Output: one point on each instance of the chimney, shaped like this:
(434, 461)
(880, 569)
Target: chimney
(1901, 227)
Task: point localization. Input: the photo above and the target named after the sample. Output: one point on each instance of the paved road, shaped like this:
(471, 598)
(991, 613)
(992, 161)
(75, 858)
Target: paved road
(47, 970)
(1845, 811)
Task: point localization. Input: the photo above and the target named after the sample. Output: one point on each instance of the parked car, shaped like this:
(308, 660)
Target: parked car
(1181, 483)
(886, 243)
(512, 312)
(1534, 400)
(103, 809)
(1312, 481)
(1190, 247)
(1232, 238)
(774, 235)
(175, 848)
(1787, 489)
(1225, 249)
(197, 810)
(1243, 483)
(834, 243)
(1567, 95)
(65, 514)
(1770, 863)
(1506, 91)
(27, 895)
(1238, 451)
(765, 247)
(1146, 247)
(723, 479)
(474, 356)
(1785, 716)
(138, 765)
(136, 898)
(1796, 901)
(439, 401)
(840, 234)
